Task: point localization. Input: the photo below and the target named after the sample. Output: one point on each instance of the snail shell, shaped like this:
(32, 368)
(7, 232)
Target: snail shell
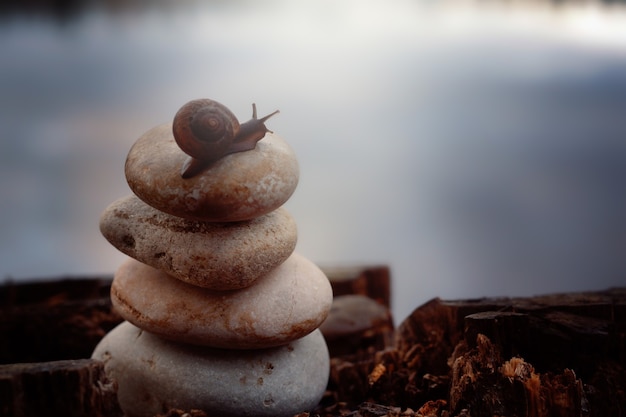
(207, 131)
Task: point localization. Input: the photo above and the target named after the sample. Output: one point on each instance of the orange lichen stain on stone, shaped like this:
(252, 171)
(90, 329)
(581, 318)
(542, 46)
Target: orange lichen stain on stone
(246, 323)
(150, 361)
(121, 214)
(122, 305)
(301, 328)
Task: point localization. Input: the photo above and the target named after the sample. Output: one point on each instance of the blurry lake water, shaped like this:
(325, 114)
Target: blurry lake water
(477, 148)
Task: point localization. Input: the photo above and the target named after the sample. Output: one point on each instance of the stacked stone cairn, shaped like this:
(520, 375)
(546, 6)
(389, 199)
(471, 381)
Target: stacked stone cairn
(221, 314)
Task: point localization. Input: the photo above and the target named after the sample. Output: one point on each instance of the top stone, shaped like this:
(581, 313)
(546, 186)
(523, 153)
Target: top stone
(240, 186)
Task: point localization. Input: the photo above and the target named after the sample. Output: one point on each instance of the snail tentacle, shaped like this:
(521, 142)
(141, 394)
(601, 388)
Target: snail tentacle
(251, 132)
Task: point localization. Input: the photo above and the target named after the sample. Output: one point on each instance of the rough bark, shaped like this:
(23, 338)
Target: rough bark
(371, 281)
(553, 355)
(54, 320)
(60, 388)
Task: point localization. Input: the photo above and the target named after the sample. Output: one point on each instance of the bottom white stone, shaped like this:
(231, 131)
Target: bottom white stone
(154, 375)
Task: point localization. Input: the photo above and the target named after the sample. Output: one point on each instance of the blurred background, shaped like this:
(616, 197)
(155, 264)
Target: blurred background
(478, 148)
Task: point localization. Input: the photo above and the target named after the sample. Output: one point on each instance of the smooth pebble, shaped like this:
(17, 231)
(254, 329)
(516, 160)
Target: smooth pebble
(219, 256)
(287, 303)
(357, 323)
(354, 313)
(154, 375)
(240, 186)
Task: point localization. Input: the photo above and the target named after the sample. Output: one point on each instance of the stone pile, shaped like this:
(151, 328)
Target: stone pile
(221, 314)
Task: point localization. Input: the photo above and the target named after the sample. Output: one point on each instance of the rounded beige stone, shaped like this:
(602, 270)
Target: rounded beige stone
(154, 375)
(287, 303)
(219, 256)
(353, 313)
(240, 186)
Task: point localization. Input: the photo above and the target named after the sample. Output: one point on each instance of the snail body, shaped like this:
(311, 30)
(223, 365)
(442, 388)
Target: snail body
(207, 131)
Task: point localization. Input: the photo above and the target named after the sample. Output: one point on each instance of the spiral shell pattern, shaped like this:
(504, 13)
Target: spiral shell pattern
(205, 129)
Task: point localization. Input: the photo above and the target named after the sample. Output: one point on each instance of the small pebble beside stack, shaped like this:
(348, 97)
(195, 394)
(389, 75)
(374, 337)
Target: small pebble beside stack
(222, 315)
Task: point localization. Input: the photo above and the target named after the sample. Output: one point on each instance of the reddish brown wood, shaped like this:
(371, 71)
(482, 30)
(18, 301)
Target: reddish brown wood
(557, 355)
(59, 388)
(54, 320)
(371, 281)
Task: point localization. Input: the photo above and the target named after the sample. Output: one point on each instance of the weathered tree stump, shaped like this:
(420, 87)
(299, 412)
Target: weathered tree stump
(54, 320)
(554, 355)
(60, 388)
(371, 281)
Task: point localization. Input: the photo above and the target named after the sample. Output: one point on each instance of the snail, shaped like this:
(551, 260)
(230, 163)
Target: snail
(207, 130)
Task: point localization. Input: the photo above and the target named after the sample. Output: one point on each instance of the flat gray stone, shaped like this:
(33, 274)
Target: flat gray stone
(219, 256)
(287, 303)
(154, 375)
(240, 186)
